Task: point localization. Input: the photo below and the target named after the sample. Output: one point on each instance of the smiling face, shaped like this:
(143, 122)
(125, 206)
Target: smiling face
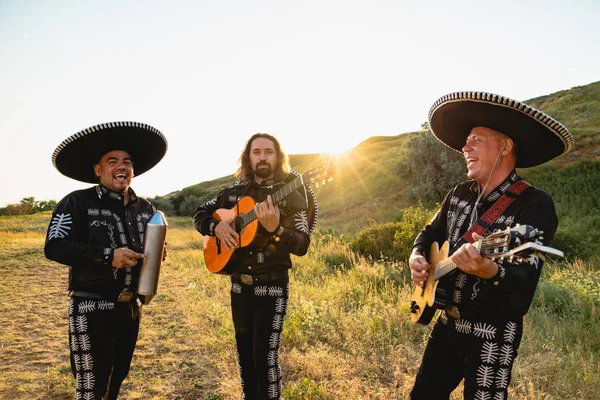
(480, 152)
(115, 170)
(263, 158)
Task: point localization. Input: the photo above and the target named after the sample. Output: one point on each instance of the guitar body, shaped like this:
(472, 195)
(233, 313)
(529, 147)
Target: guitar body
(216, 256)
(499, 246)
(428, 298)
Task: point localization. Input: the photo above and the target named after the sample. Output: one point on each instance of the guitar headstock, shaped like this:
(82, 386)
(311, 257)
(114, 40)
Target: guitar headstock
(515, 244)
(320, 174)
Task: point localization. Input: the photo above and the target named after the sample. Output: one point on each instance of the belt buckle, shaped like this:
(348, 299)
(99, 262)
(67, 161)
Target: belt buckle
(246, 279)
(125, 297)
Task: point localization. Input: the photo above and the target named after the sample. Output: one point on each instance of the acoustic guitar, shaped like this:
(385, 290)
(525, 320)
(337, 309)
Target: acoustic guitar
(216, 257)
(512, 244)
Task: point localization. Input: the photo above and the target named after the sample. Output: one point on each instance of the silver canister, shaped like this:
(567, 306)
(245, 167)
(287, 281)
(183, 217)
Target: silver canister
(154, 247)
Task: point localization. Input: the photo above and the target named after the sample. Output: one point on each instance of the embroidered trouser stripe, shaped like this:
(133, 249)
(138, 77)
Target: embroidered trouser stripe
(102, 337)
(480, 352)
(258, 314)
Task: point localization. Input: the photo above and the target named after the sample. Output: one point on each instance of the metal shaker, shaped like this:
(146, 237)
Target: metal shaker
(154, 247)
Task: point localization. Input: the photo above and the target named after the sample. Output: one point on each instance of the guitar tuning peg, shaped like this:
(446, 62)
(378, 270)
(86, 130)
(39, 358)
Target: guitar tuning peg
(317, 185)
(330, 179)
(323, 182)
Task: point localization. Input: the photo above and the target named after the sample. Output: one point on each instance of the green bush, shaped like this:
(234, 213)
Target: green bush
(392, 240)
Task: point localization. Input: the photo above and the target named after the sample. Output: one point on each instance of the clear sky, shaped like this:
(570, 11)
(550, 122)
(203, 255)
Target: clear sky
(320, 75)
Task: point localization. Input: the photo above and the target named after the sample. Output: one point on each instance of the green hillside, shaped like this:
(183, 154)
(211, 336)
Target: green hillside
(368, 188)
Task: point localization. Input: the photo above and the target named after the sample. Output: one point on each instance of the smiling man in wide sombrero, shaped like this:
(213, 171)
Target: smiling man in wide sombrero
(99, 232)
(478, 333)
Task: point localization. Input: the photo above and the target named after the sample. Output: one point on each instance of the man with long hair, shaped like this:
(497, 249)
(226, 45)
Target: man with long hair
(259, 271)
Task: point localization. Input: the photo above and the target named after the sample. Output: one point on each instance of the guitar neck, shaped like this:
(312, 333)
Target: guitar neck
(277, 197)
(446, 266)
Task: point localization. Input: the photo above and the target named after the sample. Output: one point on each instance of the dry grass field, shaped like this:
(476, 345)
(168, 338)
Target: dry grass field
(347, 334)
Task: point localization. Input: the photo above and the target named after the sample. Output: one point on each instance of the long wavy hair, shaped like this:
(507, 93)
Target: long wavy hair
(282, 168)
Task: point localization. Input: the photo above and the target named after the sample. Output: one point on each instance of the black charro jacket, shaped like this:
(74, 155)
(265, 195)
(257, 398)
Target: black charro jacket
(510, 292)
(86, 226)
(269, 251)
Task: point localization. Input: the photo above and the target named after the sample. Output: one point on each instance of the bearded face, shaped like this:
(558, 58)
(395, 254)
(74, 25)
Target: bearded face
(263, 158)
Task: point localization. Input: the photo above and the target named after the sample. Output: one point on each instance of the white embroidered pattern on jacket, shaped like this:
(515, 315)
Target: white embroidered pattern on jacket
(93, 212)
(482, 395)
(111, 228)
(260, 290)
(461, 280)
(277, 322)
(457, 296)
(275, 291)
(274, 340)
(494, 196)
(86, 306)
(506, 354)
(489, 352)
(59, 228)
(463, 326)
(301, 221)
(483, 330)
(279, 305)
(272, 358)
(236, 288)
(475, 289)
(105, 305)
(485, 376)
(502, 378)
(106, 213)
(510, 332)
(81, 323)
(260, 257)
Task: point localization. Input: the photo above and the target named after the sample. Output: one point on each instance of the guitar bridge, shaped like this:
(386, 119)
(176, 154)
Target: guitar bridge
(414, 307)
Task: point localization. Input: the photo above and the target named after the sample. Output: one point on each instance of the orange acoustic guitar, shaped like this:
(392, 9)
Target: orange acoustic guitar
(511, 244)
(216, 256)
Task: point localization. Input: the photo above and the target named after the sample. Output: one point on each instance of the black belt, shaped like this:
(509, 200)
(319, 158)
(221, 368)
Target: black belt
(248, 279)
(124, 296)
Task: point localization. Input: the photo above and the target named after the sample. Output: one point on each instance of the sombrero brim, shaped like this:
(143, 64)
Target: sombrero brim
(76, 155)
(539, 137)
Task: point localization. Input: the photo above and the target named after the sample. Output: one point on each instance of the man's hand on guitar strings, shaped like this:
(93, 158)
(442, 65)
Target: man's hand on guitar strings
(468, 260)
(418, 268)
(226, 234)
(267, 214)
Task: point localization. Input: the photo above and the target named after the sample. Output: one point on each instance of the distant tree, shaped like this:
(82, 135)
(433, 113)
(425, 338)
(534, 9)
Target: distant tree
(28, 205)
(163, 204)
(189, 205)
(430, 168)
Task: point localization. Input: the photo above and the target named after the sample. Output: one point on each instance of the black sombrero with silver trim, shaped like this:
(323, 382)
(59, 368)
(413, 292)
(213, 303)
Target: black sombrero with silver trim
(539, 137)
(77, 154)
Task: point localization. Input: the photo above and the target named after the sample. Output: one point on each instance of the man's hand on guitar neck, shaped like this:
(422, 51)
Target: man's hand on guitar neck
(226, 234)
(468, 260)
(418, 268)
(267, 214)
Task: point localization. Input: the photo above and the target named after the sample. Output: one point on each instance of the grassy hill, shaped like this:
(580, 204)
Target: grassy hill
(367, 188)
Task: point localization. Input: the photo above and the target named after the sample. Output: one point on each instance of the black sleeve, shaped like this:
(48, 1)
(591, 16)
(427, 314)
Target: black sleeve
(435, 230)
(67, 236)
(295, 228)
(203, 219)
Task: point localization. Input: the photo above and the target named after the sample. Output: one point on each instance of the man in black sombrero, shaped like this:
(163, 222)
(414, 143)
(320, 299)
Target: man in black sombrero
(477, 335)
(99, 232)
